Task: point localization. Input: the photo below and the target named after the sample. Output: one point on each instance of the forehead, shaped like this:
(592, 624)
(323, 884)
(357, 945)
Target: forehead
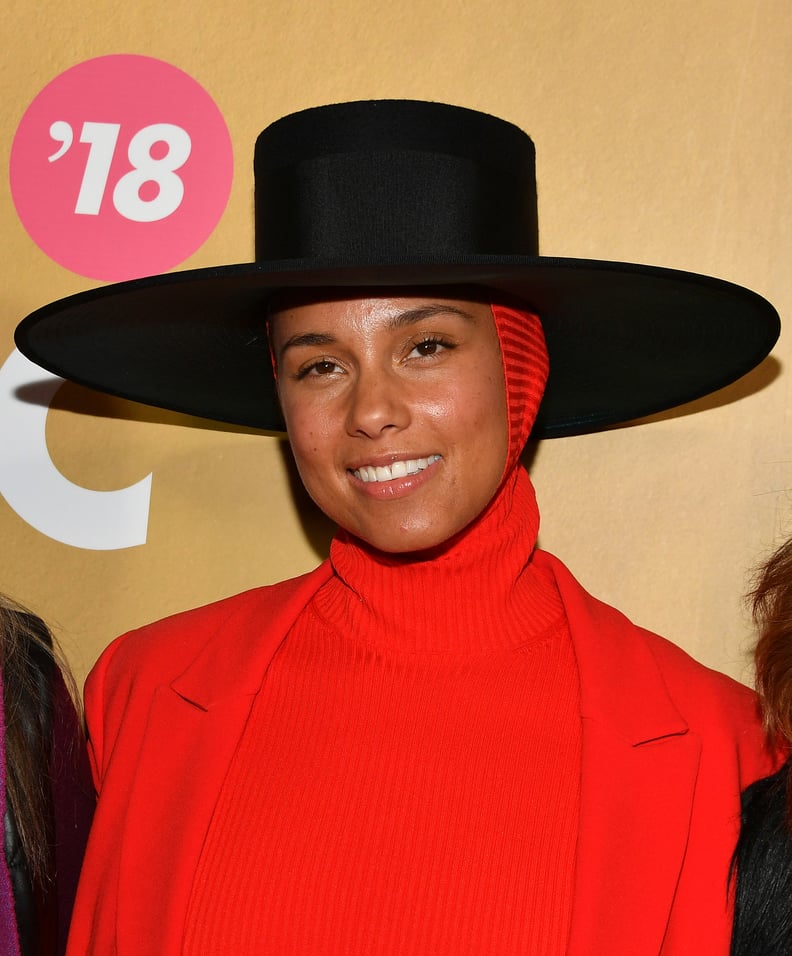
(360, 308)
(284, 299)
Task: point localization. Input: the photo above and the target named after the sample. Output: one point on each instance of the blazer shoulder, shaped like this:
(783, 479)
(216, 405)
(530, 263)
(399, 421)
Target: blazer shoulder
(627, 641)
(162, 649)
(695, 682)
(645, 686)
(223, 647)
(724, 713)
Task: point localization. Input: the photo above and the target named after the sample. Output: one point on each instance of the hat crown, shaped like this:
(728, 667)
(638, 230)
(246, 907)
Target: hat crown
(380, 181)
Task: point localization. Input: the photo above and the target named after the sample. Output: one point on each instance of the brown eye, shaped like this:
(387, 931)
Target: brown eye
(320, 368)
(323, 368)
(430, 346)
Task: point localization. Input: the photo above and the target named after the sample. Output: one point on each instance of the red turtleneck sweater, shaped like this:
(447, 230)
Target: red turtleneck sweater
(408, 782)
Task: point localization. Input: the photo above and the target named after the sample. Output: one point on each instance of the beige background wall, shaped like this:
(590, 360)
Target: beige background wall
(664, 135)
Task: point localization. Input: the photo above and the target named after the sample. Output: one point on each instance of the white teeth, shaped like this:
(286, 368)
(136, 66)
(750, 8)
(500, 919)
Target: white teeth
(399, 469)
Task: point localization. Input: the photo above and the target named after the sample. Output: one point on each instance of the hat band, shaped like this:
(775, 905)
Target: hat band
(392, 206)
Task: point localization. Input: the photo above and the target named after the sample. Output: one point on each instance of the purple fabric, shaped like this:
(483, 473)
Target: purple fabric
(9, 940)
(74, 800)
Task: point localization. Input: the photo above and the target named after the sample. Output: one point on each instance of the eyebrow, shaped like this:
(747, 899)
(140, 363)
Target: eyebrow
(398, 321)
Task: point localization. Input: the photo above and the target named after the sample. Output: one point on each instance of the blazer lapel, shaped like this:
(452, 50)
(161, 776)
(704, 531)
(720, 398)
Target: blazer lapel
(638, 774)
(636, 805)
(193, 730)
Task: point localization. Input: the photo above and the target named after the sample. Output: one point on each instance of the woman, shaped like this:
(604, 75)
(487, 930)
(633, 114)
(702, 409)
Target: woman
(47, 797)
(436, 742)
(763, 862)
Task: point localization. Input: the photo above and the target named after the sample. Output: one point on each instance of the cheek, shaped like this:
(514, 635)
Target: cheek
(488, 420)
(305, 423)
(305, 440)
(314, 441)
(486, 406)
(316, 470)
(311, 457)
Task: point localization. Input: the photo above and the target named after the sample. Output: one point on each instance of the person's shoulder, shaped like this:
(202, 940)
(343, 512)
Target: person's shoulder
(684, 670)
(164, 647)
(694, 686)
(608, 620)
(698, 690)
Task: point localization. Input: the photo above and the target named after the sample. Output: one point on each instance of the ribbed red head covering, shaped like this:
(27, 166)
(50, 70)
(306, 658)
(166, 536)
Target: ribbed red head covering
(525, 366)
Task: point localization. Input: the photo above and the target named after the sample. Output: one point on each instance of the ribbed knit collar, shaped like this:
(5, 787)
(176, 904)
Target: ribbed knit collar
(478, 593)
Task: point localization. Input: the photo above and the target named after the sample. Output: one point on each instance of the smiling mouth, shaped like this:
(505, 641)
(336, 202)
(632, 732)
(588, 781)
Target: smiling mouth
(399, 469)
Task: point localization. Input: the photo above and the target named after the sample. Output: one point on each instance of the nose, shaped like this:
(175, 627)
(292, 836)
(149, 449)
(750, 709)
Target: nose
(377, 403)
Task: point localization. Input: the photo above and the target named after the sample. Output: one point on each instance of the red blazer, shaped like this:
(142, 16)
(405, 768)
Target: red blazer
(667, 747)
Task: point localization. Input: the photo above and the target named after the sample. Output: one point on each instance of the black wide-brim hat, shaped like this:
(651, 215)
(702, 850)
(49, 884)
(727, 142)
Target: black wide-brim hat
(384, 194)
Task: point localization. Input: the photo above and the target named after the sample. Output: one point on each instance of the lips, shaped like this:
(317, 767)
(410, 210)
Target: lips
(397, 469)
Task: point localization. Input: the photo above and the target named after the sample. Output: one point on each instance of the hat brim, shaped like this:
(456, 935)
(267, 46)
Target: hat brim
(625, 340)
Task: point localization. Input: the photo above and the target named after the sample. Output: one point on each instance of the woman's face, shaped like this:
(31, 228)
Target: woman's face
(396, 413)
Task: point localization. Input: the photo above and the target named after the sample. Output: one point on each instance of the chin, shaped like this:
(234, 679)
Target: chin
(410, 541)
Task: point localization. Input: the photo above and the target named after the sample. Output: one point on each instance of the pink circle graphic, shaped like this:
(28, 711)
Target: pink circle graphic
(121, 167)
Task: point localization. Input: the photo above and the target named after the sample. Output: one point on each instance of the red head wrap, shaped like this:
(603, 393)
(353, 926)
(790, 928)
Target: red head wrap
(525, 366)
